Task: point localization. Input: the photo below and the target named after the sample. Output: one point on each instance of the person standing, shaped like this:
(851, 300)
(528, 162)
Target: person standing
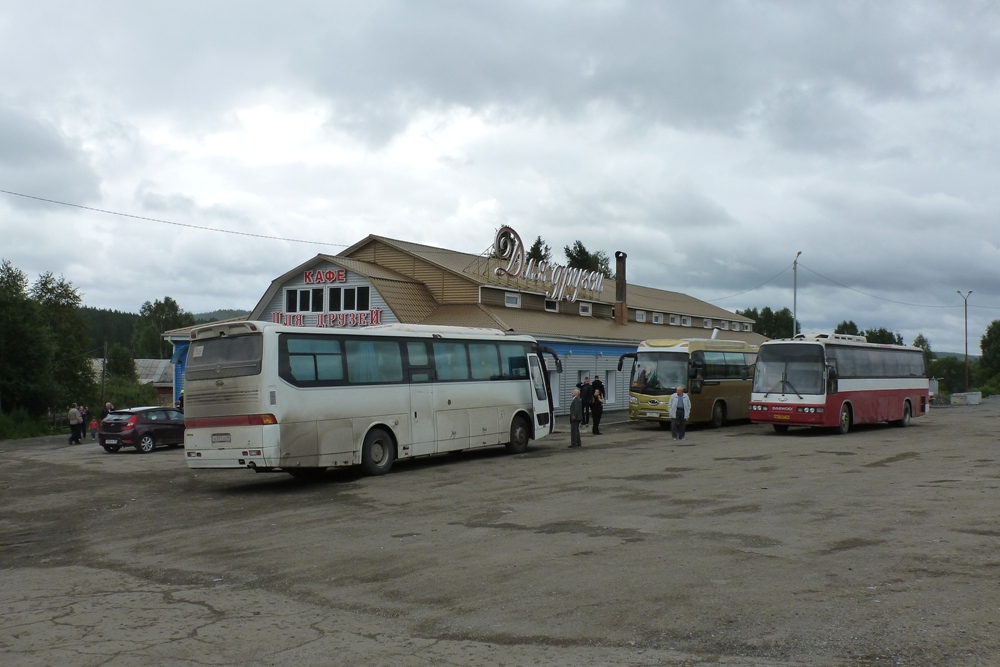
(93, 428)
(575, 417)
(597, 409)
(679, 410)
(75, 424)
(597, 384)
(586, 396)
(107, 410)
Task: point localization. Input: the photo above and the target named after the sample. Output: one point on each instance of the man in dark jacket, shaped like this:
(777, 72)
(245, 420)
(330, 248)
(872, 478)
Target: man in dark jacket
(575, 417)
(586, 397)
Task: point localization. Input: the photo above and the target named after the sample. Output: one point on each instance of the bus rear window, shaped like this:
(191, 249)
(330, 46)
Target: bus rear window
(228, 356)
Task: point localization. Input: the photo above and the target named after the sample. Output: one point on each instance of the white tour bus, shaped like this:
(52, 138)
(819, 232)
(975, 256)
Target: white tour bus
(277, 398)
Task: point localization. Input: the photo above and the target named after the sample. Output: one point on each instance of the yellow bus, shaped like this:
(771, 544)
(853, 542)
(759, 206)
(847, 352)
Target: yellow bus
(716, 374)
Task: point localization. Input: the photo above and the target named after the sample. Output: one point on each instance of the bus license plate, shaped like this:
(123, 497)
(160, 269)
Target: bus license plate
(221, 437)
(653, 414)
(782, 416)
(111, 441)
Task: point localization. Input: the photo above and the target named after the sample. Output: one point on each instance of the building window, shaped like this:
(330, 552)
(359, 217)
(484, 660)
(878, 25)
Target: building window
(746, 326)
(304, 300)
(675, 320)
(349, 299)
(724, 326)
(551, 306)
(640, 316)
(657, 318)
(586, 309)
(685, 321)
(707, 323)
(512, 299)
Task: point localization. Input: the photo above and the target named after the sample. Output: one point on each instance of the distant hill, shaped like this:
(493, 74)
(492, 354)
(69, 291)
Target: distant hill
(217, 315)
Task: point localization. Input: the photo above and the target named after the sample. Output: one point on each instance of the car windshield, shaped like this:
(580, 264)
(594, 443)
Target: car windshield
(659, 373)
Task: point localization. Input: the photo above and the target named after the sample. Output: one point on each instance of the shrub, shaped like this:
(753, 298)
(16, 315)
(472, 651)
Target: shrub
(19, 424)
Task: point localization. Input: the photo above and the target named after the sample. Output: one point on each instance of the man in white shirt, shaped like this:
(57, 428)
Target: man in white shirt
(679, 409)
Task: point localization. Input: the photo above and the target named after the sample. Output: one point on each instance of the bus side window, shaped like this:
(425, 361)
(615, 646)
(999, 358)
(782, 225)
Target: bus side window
(419, 361)
(513, 361)
(485, 363)
(451, 361)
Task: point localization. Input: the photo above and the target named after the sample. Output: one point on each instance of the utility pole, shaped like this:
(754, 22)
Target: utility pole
(795, 294)
(965, 297)
(104, 372)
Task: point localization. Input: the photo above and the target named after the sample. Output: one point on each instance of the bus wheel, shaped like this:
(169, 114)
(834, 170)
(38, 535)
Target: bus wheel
(718, 414)
(845, 420)
(378, 453)
(905, 421)
(663, 425)
(780, 428)
(520, 433)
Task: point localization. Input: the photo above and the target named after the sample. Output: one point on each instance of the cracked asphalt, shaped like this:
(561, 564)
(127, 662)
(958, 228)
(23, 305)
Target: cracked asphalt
(736, 546)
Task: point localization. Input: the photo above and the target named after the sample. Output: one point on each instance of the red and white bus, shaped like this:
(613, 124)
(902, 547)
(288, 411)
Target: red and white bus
(836, 380)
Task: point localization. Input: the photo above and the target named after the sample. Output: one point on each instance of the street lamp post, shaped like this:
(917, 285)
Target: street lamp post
(795, 293)
(965, 298)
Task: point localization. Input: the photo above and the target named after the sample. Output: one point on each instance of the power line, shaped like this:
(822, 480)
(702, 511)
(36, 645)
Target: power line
(875, 296)
(723, 298)
(170, 222)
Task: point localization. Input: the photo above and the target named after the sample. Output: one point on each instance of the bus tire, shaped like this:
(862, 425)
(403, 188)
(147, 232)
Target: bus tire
(664, 425)
(905, 421)
(718, 414)
(377, 453)
(780, 428)
(845, 420)
(520, 434)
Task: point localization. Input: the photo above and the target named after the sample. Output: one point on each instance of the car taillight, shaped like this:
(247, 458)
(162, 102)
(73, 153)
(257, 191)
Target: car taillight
(132, 421)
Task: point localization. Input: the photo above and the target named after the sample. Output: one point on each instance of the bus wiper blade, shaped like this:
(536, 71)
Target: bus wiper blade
(793, 388)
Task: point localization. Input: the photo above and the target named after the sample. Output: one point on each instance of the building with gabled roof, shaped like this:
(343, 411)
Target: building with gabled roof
(588, 321)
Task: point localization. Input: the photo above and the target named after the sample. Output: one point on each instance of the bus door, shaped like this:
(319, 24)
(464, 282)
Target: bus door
(539, 397)
(423, 438)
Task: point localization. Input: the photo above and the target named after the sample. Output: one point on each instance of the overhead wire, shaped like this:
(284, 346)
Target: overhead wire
(170, 222)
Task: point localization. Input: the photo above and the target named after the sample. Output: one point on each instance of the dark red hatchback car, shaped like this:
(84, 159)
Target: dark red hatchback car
(142, 428)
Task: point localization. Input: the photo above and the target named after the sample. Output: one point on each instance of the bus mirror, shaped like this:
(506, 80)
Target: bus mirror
(831, 380)
(745, 373)
(696, 385)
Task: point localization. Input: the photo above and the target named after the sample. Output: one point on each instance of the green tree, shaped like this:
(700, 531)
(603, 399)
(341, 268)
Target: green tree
(72, 370)
(847, 327)
(154, 319)
(950, 372)
(990, 346)
(578, 257)
(769, 323)
(540, 251)
(924, 345)
(121, 363)
(884, 336)
(27, 347)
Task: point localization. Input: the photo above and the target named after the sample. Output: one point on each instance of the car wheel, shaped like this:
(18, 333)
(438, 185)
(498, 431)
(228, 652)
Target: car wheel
(780, 428)
(145, 444)
(111, 448)
(377, 453)
(718, 414)
(520, 433)
(845, 420)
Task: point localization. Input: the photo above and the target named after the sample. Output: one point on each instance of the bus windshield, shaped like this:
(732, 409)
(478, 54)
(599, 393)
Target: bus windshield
(226, 356)
(789, 369)
(659, 373)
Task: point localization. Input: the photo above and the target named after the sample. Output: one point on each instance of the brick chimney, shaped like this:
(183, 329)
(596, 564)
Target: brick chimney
(621, 298)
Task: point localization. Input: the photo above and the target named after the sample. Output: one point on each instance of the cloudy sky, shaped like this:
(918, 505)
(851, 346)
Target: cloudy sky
(710, 141)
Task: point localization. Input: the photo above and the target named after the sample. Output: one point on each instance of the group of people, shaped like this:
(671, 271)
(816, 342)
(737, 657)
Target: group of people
(588, 401)
(587, 406)
(80, 420)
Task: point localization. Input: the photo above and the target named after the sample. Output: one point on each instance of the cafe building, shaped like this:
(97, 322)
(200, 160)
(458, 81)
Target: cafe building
(587, 319)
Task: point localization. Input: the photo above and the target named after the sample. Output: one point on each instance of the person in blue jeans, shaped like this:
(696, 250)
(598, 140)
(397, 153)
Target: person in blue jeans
(679, 409)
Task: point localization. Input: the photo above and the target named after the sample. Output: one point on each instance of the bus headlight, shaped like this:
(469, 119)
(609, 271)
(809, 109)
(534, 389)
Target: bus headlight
(632, 399)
